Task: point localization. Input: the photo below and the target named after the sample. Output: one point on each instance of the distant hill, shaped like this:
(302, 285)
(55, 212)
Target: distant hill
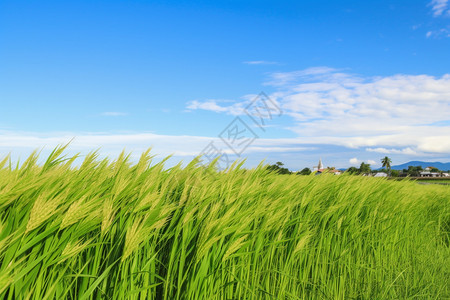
(423, 164)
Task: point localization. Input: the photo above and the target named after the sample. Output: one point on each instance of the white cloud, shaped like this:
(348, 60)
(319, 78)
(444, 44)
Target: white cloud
(443, 32)
(284, 78)
(439, 7)
(212, 105)
(331, 107)
(270, 149)
(390, 115)
(354, 161)
(113, 144)
(407, 151)
(260, 62)
(113, 114)
(163, 144)
(224, 106)
(297, 151)
(334, 107)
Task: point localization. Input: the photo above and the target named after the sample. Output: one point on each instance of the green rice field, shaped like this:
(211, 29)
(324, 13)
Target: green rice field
(112, 229)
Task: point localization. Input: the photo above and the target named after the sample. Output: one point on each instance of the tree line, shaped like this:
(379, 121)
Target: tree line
(364, 169)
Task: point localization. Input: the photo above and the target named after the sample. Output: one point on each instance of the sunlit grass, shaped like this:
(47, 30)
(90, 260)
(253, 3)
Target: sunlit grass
(113, 230)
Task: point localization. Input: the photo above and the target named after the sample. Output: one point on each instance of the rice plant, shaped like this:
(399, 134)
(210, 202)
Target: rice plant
(110, 229)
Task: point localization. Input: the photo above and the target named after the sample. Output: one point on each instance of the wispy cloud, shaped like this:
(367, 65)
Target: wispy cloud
(230, 107)
(285, 78)
(360, 111)
(443, 32)
(382, 114)
(407, 151)
(356, 162)
(217, 106)
(112, 144)
(298, 152)
(439, 7)
(114, 114)
(260, 62)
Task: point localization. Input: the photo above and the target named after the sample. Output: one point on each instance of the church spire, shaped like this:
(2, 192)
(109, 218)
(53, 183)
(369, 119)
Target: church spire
(320, 166)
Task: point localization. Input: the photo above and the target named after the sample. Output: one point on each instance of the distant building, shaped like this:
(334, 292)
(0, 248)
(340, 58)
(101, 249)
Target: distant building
(380, 174)
(429, 174)
(335, 172)
(329, 171)
(319, 167)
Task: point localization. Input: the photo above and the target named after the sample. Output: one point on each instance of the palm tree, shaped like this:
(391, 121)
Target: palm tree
(386, 161)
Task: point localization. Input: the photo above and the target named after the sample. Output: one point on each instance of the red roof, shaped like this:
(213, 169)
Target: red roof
(328, 170)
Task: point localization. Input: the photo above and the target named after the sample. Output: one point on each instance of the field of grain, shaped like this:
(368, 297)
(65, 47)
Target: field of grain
(110, 229)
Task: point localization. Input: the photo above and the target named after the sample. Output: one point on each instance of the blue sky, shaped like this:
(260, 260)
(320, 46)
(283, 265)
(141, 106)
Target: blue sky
(355, 80)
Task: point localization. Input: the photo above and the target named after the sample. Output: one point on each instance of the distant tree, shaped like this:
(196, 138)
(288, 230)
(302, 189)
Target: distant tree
(403, 173)
(433, 169)
(386, 161)
(395, 173)
(352, 170)
(414, 171)
(273, 168)
(364, 168)
(284, 171)
(278, 167)
(305, 171)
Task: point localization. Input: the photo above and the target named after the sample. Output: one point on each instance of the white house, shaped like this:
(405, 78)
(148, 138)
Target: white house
(334, 171)
(429, 174)
(381, 174)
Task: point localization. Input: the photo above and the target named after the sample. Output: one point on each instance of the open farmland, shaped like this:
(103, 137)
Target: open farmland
(109, 229)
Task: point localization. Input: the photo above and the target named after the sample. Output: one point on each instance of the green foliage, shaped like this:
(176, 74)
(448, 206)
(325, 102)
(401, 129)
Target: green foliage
(278, 168)
(113, 230)
(414, 171)
(364, 168)
(352, 171)
(305, 171)
(395, 173)
(386, 163)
